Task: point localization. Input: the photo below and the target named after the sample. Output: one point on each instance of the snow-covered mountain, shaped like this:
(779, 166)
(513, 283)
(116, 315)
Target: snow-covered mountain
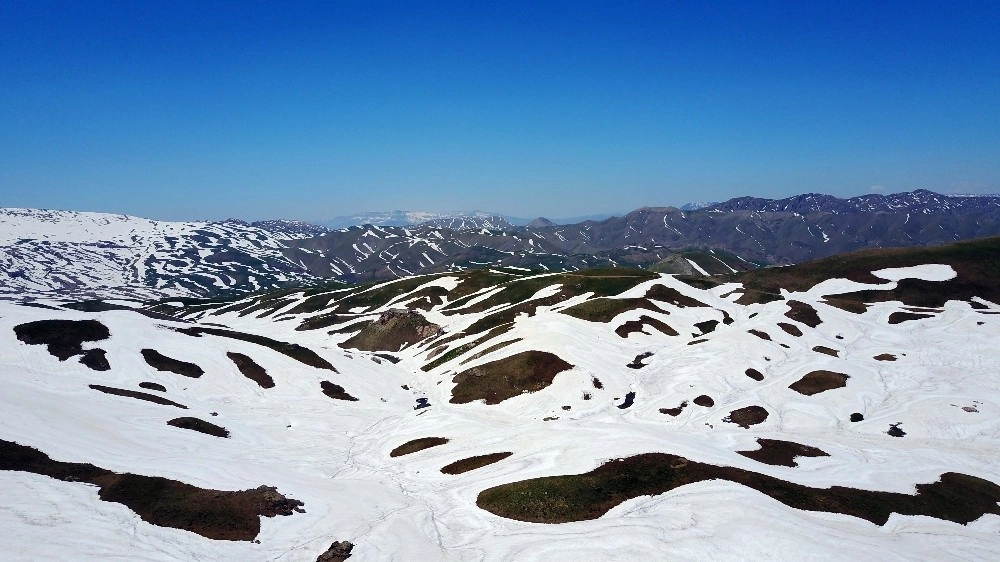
(475, 219)
(847, 408)
(76, 254)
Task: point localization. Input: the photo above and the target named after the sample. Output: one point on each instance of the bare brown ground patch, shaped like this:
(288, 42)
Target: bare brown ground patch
(63, 338)
(790, 329)
(162, 363)
(201, 426)
(819, 381)
(826, 350)
(802, 312)
(745, 417)
(760, 334)
(705, 327)
(392, 331)
(705, 401)
(673, 296)
(251, 369)
(637, 362)
(633, 326)
(606, 309)
(338, 552)
(781, 453)
(885, 357)
(496, 381)
(558, 499)
(472, 463)
(153, 386)
(755, 374)
(213, 514)
(138, 395)
(96, 359)
(417, 445)
(900, 317)
(336, 391)
(295, 351)
(674, 411)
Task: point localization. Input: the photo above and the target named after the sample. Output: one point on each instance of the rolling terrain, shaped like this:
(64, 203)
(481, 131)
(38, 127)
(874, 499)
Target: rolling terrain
(77, 255)
(837, 409)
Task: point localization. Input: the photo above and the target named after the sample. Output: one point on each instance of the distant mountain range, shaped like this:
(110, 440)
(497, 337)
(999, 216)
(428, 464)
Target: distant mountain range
(69, 253)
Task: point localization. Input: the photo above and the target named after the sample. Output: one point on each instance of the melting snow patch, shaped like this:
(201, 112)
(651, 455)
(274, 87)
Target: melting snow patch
(927, 272)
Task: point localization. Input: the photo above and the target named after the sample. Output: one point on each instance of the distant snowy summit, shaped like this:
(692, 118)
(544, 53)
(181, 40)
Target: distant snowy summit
(456, 219)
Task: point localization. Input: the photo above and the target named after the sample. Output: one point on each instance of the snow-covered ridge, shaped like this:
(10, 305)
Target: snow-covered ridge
(79, 254)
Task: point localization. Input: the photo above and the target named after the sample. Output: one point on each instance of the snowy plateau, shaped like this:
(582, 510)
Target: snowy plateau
(839, 409)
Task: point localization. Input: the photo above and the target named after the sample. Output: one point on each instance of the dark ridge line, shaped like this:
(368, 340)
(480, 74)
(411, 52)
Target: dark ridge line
(295, 351)
(140, 395)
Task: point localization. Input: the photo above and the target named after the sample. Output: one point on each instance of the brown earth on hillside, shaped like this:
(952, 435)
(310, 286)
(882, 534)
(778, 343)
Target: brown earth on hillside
(336, 391)
(472, 463)
(819, 381)
(394, 330)
(755, 374)
(900, 317)
(162, 363)
(790, 329)
(202, 426)
(295, 351)
(633, 326)
(673, 296)
(496, 381)
(138, 395)
(213, 514)
(781, 453)
(745, 417)
(63, 338)
(251, 369)
(826, 350)
(559, 499)
(802, 312)
(417, 445)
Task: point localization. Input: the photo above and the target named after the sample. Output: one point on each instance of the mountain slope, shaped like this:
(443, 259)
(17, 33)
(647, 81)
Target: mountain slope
(821, 421)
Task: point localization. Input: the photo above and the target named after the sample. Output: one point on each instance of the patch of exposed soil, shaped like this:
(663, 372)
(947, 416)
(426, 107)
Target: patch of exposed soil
(790, 329)
(629, 400)
(472, 463)
(706, 327)
(64, 338)
(895, 431)
(885, 357)
(394, 330)
(338, 552)
(696, 342)
(826, 350)
(674, 411)
(705, 401)
(633, 326)
(336, 391)
(153, 386)
(496, 381)
(637, 362)
(558, 499)
(900, 317)
(745, 417)
(673, 296)
(802, 312)
(213, 514)
(201, 426)
(819, 381)
(251, 369)
(96, 359)
(857, 416)
(755, 374)
(606, 309)
(760, 334)
(139, 395)
(295, 351)
(418, 445)
(781, 453)
(852, 306)
(161, 362)
(597, 383)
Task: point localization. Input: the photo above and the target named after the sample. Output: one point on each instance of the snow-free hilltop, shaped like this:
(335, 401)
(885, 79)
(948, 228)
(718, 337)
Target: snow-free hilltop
(842, 409)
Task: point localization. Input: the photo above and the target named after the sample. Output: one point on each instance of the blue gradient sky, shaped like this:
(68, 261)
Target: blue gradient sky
(183, 110)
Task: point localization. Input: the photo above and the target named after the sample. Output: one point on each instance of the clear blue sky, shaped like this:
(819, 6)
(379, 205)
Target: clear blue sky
(183, 110)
